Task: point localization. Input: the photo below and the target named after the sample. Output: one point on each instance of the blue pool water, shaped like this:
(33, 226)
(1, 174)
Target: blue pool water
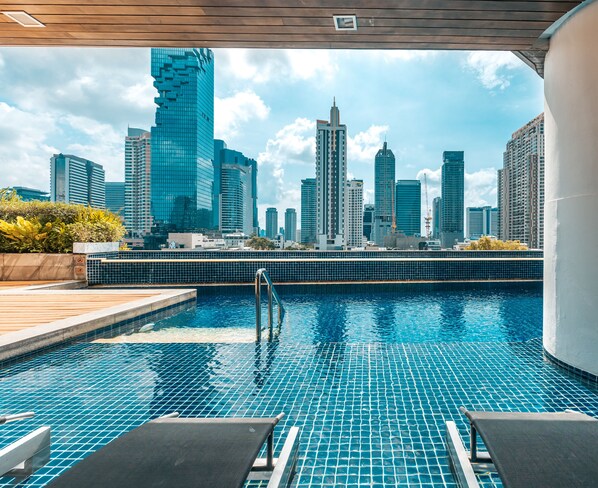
(371, 413)
(379, 313)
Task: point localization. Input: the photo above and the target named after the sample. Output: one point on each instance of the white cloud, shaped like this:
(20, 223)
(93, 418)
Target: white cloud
(392, 55)
(232, 112)
(24, 149)
(363, 146)
(294, 144)
(493, 69)
(266, 65)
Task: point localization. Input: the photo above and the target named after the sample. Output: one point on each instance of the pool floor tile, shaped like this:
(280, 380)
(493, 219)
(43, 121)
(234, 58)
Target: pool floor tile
(371, 415)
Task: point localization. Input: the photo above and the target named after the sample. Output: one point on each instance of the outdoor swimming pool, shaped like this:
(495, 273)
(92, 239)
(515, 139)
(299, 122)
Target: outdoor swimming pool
(359, 314)
(371, 413)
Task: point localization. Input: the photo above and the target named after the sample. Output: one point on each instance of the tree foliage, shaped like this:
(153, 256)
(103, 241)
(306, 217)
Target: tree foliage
(261, 244)
(52, 227)
(488, 244)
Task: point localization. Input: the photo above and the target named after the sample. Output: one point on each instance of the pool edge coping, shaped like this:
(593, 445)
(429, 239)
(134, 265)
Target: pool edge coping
(29, 341)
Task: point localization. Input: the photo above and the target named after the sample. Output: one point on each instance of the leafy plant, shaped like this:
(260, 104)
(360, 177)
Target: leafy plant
(52, 227)
(25, 235)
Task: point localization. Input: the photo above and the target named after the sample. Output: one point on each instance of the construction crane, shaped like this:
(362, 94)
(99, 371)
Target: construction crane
(428, 217)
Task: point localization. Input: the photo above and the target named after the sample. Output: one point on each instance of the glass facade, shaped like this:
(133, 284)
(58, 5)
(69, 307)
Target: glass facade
(368, 220)
(271, 222)
(115, 197)
(308, 211)
(182, 140)
(77, 180)
(29, 194)
(235, 191)
(409, 207)
(290, 224)
(436, 205)
(453, 196)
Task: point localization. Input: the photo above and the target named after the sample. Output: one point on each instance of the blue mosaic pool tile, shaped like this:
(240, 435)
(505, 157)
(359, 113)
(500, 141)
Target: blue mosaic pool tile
(370, 414)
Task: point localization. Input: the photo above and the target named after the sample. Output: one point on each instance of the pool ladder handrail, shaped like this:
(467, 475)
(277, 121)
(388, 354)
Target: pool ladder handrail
(272, 296)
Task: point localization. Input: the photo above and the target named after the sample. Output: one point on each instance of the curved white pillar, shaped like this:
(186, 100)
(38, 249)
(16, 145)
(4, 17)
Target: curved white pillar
(571, 186)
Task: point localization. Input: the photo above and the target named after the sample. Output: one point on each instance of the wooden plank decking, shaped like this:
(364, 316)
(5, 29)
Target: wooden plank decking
(4, 285)
(24, 310)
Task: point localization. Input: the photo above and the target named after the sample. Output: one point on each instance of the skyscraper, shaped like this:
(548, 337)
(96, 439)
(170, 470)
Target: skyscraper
(309, 205)
(481, 221)
(115, 197)
(354, 214)
(368, 220)
(384, 193)
(521, 186)
(409, 207)
(183, 139)
(331, 177)
(271, 222)
(77, 180)
(138, 166)
(235, 191)
(436, 212)
(290, 225)
(453, 195)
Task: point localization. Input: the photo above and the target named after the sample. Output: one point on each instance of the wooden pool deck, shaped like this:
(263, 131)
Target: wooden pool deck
(33, 317)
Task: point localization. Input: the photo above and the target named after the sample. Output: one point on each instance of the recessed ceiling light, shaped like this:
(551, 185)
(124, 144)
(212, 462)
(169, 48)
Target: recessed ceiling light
(24, 19)
(345, 22)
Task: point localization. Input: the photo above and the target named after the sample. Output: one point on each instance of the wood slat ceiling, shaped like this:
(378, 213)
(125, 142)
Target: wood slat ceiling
(383, 24)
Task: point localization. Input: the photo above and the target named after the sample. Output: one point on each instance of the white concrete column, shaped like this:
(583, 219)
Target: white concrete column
(571, 185)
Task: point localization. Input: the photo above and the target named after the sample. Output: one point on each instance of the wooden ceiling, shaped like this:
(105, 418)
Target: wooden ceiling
(383, 24)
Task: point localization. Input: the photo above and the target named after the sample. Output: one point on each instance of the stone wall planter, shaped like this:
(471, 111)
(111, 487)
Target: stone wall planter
(94, 247)
(46, 267)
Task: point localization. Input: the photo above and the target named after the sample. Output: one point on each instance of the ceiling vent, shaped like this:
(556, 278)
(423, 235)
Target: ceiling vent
(24, 19)
(345, 22)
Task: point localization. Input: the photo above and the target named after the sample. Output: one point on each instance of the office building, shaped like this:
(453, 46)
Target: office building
(138, 166)
(384, 194)
(453, 196)
(30, 194)
(436, 205)
(77, 180)
(521, 186)
(331, 178)
(182, 140)
(408, 207)
(115, 197)
(354, 214)
(290, 224)
(309, 206)
(368, 220)
(235, 191)
(271, 222)
(481, 221)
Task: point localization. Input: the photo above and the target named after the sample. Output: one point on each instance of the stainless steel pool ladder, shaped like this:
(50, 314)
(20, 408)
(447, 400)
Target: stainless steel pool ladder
(272, 297)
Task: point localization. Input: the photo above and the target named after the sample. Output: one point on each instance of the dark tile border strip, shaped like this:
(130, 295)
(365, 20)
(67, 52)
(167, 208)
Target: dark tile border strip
(585, 376)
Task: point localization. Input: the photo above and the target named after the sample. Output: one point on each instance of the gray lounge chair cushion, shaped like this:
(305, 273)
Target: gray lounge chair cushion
(541, 450)
(174, 453)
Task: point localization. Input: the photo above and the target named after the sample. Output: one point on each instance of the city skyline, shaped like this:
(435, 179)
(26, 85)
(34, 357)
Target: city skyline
(491, 94)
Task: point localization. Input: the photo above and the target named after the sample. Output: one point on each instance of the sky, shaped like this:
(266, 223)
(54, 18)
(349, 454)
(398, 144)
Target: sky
(80, 101)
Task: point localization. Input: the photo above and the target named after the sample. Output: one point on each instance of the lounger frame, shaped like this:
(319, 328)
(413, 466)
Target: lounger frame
(27, 454)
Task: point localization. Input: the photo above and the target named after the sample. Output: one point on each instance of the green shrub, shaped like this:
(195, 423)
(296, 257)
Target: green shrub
(52, 227)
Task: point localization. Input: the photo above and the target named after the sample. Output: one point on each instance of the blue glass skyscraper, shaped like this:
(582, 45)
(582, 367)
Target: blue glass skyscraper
(408, 204)
(183, 139)
(452, 199)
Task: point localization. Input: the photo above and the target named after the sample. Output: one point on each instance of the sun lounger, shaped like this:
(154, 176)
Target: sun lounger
(188, 452)
(528, 450)
(23, 457)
